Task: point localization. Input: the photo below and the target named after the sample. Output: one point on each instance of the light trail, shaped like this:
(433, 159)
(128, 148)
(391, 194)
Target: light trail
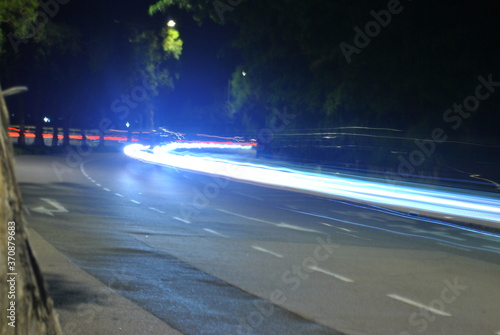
(467, 207)
(183, 144)
(16, 133)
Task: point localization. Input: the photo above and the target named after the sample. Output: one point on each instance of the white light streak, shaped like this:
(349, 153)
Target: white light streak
(429, 201)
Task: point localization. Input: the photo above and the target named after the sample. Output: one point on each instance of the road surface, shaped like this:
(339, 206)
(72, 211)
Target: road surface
(212, 256)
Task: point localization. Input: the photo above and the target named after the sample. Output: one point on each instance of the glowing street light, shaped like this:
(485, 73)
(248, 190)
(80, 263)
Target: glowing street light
(171, 23)
(46, 119)
(127, 124)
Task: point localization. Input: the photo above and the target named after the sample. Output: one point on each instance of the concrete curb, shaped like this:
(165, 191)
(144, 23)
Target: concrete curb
(85, 305)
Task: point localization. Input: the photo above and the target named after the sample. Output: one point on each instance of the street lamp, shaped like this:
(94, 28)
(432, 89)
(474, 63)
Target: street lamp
(14, 90)
(171, 23)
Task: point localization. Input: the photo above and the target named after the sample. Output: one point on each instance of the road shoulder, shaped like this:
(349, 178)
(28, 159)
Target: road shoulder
(84, 304)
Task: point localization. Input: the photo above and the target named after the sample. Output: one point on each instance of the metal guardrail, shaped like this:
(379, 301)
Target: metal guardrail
(93, 137)
(373, 151)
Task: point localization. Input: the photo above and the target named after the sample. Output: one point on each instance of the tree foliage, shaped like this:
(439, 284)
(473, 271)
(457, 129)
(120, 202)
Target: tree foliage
(172, 44)
(154, 53)
(34, 43)
(411, 69)
(87, 66)
(16, 20)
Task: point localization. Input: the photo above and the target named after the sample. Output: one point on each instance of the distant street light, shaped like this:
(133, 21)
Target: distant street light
(171, 23)
(46, 119)
(127, 124)
(244, 73)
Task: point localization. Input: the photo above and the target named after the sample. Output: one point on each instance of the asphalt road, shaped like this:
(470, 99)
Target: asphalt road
(211, 256)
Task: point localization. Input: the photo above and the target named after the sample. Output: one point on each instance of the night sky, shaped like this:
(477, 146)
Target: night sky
(203, 72)
(425, 60)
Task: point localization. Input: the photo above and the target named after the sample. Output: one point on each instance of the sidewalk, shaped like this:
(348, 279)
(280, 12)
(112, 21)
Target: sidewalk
(87, 306)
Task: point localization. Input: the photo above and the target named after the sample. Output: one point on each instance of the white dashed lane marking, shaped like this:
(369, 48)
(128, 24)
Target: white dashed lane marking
(181, 220)
(419, 305)
(344, 229)
(135, 201)
(279, 225)
(356, 236)
(329, 273)
(249, 196)
(256, 247)
(156, 210)
(118, 194)
(245, 217)
(214, 232)
(289, 226)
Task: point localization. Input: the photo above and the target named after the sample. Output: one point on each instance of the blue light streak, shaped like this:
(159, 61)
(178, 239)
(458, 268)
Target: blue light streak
(434, 203)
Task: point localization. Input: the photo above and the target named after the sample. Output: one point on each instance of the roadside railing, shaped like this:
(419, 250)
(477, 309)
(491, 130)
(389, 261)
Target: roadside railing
(93, 137)
(380, 153)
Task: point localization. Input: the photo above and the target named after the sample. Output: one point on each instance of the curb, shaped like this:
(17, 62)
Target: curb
(85, 305)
